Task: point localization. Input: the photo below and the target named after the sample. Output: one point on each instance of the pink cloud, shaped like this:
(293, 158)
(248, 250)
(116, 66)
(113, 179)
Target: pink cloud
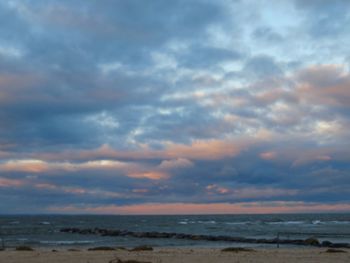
(212, 149)
(33, 166)
(324, 85)
(268, 155)
(218, 208)
(250, 192)
(153, 175)
(4, 182)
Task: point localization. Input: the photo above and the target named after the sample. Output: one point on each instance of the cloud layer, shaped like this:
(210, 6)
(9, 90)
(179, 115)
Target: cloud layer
(193, 106)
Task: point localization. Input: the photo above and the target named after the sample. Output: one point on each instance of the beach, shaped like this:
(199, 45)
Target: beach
(177, 255)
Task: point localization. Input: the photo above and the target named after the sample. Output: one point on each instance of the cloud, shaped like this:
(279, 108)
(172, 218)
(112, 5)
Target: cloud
(262, 66)
(175, 163)
(4, 182)
(127, 106)
(326, 84)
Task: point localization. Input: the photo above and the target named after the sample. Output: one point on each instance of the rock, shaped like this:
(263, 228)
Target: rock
(114, 232)
(311, 242)
(195, 237)
(340, 245)
(326, 243)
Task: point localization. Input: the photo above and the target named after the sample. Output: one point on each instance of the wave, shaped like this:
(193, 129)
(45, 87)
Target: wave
(340, 222)
(185, 222)
(334, 222)
(45, 223)
(286, 223)
(317, 222)
(207, 222)
(22, 239)
(66, 242)
(240, 223)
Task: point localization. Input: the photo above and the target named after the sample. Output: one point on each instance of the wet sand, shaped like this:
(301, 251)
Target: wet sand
(176, 255)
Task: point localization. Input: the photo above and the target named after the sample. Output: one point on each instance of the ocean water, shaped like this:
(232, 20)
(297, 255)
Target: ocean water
(44, 230)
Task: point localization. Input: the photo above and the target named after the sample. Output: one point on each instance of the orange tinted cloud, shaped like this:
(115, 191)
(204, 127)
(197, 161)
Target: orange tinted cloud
(33, 166)
(155, 175)
(213, 149)
(4, 182)
(203, 150)
(268, 155)
(129, 169)
(325, 85)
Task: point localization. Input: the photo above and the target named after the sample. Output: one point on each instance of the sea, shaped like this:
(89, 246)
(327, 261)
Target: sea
(44, 230)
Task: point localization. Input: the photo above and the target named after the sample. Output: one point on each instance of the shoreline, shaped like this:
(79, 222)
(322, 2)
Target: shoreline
(177, 255)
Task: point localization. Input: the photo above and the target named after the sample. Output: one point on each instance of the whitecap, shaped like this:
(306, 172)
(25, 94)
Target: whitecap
(238, 223)
(340, 222)
(207, 222)
(286, 223)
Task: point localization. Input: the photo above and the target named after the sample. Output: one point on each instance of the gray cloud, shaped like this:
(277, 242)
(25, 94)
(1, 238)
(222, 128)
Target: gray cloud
(94, 98)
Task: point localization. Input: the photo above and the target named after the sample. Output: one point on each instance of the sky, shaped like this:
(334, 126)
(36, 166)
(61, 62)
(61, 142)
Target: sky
(174, 107)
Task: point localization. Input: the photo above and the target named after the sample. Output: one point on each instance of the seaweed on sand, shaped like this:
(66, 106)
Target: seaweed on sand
(24, 248)
(118, 260)
(101, 249)
(237, 249)
(333, 250)
(142, 248)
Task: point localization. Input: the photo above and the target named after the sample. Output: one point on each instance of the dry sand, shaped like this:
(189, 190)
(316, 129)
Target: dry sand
(176, 255)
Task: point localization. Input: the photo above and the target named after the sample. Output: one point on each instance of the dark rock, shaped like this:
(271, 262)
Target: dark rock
(113, 232)
(195, 237)
(326, 243)
(311, 242)
(340, 245)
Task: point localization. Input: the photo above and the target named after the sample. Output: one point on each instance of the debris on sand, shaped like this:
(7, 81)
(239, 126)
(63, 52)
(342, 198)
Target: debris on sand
(142, 248)
(24, 248)
(237, 249)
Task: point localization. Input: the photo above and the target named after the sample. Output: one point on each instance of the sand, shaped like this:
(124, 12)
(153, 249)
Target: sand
(177, 255)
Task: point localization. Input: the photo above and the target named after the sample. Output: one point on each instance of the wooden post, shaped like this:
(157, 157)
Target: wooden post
(278, 239)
